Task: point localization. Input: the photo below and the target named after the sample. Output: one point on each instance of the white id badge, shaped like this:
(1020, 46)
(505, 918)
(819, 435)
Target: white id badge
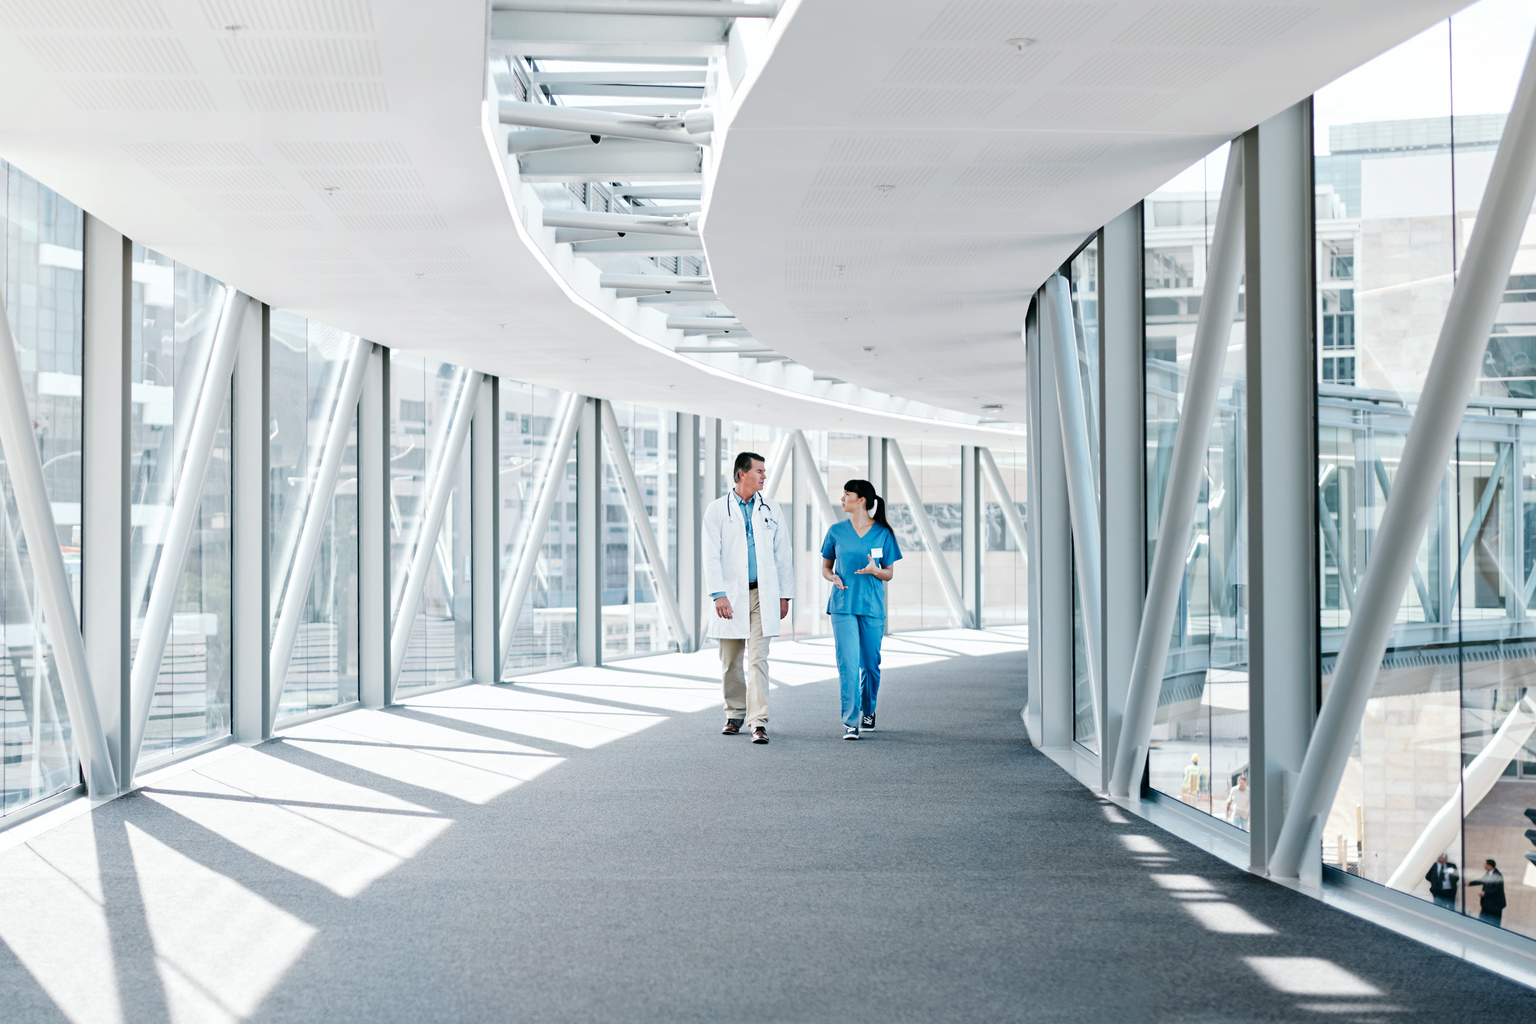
(877, 553)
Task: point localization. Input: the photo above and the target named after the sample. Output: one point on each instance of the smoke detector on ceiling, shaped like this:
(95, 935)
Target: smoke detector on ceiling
(1020, 43)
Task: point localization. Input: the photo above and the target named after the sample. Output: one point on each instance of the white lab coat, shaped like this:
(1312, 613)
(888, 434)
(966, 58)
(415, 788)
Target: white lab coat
(724, 542)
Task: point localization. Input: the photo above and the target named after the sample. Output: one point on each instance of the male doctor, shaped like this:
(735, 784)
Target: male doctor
(749, 570)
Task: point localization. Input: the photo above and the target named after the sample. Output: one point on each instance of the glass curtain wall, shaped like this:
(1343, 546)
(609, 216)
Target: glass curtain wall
(545, 635)
(40, 269)
(424, 395)
(1005, 571)
(306, 364)
(1082, 275)
(1403, 148)
(174, 319)
(1199, 747)
(633, 621)
(915, 596)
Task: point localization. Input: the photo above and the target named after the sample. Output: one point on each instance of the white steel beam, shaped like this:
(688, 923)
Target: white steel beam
(600, 123)
(18, 443)
(294, 596)
(658, 282)
(1010, 510)
(188, 499)
(1082, 489)
(616, 160)
(829, 512)
(653, 8)
(1452, 373)
(532, 530)
(1213, 333)
(439, 490)
(620, 222)
(898, 463)
(661, 579)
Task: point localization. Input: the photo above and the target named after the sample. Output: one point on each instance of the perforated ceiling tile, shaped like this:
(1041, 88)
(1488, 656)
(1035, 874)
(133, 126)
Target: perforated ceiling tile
(848, 199)
(301, 57)
(954, 66)
(329, 97)
(376, 179)
(82, 14)
(291, 15)
(318, 255)
(840, 218)
(344, 154)
(1121, 70)
(922, 253)
(959, 103)
(1026, 176)
(269, 222)
(1210, 25)
(993, 21)
(192, 154)
(109, 55)
(1042, 149)
(345, 201)
(991, 199)
(922, 149)
(137, 94)
(429, 259)
(1100, 106)
(392, 222)
(245, 202)
(215, 179)
(870, 175)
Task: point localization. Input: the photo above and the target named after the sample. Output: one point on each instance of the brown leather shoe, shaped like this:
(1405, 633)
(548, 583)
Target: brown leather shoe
(732, 727)
(759, 735)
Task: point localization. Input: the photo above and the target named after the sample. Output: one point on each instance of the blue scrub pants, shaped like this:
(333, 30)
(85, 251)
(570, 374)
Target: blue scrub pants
(858, 663)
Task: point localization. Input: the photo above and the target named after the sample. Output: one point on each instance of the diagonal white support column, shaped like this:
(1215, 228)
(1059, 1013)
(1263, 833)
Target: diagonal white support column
(1335, 543)
(661, 580)
(1212, 334)
(1010, 510)
(1418, 577)
(438, 492)
(294, 596)
(1082, 491)
(1453, 372)
(23, 461)
(1477, 781)
(925, 528)
(211, 400)
(778, 462)
(829, 511)
(552, 479)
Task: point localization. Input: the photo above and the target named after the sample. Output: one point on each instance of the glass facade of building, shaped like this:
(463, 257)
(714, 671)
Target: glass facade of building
(1444, 762)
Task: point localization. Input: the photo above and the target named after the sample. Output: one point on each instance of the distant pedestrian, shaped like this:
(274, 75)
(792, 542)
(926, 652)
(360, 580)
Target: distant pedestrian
(1442, 879)
(1238, 803)
(857, 556)
(749, 571)
(1491, 905)
(1189, 788)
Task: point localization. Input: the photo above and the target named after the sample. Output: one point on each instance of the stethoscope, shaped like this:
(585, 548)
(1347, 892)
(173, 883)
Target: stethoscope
(757, 502)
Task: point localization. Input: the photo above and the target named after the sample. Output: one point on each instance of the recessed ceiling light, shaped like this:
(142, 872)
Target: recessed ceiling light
(1020, 43)
(869, 348)
(992, 407)
(884, 188)
(234, 28)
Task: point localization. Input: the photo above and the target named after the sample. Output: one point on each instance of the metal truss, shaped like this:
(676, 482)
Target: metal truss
(439, 490)
(211, 399)
(1185, 474)
(24, 463)
(532, 541)
(930, 537)
(295, 595)
(1452, 374)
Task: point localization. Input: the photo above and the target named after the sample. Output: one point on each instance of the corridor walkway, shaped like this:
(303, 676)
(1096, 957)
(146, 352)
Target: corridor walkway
(585, 846)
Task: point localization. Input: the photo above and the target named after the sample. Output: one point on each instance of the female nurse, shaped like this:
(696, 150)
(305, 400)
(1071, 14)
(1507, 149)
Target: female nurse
(856, 559)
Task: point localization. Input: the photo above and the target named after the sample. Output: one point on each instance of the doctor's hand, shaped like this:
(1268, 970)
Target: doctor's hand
(723, 607)
(783, 607)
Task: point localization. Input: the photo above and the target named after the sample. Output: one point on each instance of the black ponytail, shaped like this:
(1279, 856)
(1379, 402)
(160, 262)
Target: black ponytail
(873, 503)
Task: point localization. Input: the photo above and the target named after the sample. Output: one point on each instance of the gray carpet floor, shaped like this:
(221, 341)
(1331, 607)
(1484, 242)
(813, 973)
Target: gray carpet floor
(939, 870)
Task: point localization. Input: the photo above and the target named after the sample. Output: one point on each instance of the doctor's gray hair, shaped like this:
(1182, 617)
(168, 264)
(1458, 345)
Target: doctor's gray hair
(744, 464)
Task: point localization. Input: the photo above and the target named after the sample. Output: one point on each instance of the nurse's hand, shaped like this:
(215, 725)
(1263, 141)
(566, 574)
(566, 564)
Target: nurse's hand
(837, 581)
(723, 607)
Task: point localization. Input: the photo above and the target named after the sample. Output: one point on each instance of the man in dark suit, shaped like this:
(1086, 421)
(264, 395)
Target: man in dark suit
(1442, 879)
(1491, 907)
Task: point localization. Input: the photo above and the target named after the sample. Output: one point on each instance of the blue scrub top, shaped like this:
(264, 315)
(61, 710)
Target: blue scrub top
(865, 595)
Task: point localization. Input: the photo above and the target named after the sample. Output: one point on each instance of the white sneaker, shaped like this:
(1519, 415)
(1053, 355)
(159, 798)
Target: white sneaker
(850, 733)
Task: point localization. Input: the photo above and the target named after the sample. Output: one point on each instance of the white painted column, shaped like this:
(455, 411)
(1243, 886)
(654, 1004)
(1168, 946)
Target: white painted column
(589, 539)
(105, 524)
(972, 538)
(690, 511)
(252, 685)
(1050, 615)
(375, 689)
(485, 531)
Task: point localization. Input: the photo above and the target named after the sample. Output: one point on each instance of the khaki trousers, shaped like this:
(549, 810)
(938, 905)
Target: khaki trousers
(744, 664)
